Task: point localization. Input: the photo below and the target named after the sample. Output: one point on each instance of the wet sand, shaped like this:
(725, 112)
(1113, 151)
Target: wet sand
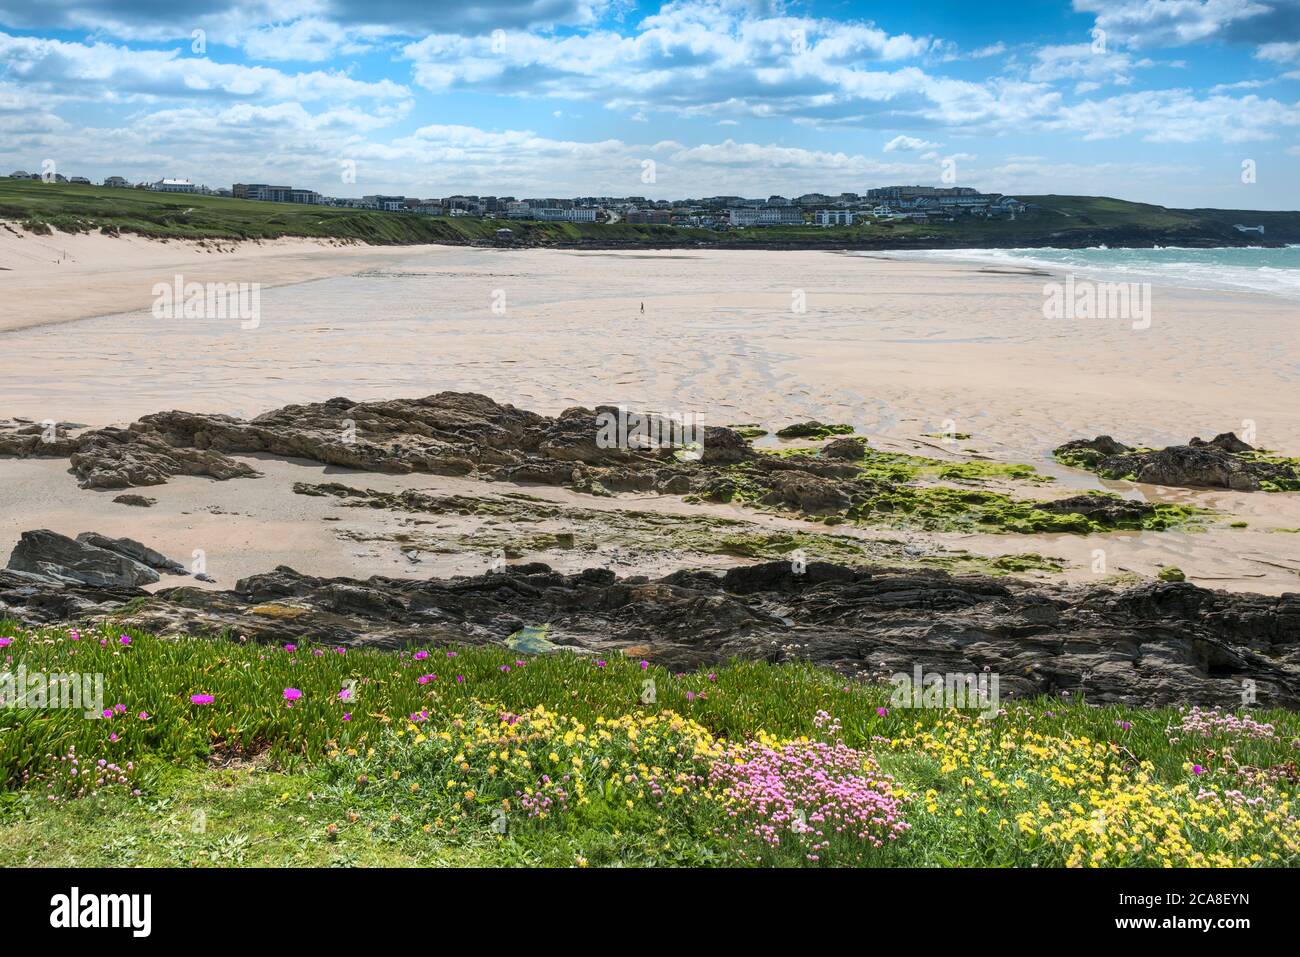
(899, 349)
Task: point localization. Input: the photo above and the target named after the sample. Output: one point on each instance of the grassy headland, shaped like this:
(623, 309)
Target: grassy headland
(1065, 221)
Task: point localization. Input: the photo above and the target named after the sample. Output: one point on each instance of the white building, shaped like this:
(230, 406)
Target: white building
(834, 217)
(173, 186)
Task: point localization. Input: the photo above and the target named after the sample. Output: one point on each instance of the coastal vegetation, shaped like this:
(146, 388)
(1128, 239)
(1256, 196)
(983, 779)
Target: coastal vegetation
(221, 752)
(1069, 221)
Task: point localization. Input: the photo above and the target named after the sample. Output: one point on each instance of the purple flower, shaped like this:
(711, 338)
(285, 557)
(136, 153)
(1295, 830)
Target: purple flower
(124, 639)
(644, 664)
(1197, 769)
(883, 712)
(201, 699)
(345, 694)
(347, 716)
(420, 655)
(292, 694)
(291, 648)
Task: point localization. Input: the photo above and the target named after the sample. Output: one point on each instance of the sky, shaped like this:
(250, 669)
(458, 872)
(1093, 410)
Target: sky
(1178, 102)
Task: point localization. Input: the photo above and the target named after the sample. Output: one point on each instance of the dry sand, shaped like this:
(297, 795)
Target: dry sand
(61, 277)
(897, 348)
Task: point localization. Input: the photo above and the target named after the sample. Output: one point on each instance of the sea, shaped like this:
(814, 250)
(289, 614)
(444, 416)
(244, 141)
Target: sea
(1275, 271)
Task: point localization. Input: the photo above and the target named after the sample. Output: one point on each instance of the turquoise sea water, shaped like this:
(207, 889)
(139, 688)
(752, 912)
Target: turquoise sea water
(1274, 271)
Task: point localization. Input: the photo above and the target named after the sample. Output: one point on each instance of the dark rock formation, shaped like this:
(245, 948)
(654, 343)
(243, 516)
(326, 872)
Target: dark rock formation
(1223, 462)
(62, 559)
(1110, 510)
(139, 501)
(1154, 644)
(134, 551)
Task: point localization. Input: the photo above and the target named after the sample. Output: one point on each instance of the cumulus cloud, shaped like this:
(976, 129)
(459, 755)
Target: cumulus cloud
(909, 144)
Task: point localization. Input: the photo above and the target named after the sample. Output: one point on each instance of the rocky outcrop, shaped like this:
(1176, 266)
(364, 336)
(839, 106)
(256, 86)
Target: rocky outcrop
(90, 559)
(1223, 462)
(62, 559)
(1109, 510)
(1156, 644)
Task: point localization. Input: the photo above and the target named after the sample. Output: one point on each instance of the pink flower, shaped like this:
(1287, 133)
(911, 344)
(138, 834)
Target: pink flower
(420, 655)
(291, 648)
(690, 696)
(124, 639)
(347, 716)
(340, 650)
(451, 654)
(460, 679)
(1197, 769)
(201, 699)
(712, 677)
(505, 668)
(292, 694)
(425, 679)
(883, 712)
(345, 694)
(143, 715)
(113, 737)
(317, 652)
(600, 664)
(644, 664)
(6, 642)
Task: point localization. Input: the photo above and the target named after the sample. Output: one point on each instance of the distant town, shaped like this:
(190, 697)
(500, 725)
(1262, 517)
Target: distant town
(918, 204)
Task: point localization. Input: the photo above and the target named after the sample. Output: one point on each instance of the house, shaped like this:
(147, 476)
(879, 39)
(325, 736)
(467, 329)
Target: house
(646, 217)
(116, 182)
(80, 181)
(834, 217)
(173, 186)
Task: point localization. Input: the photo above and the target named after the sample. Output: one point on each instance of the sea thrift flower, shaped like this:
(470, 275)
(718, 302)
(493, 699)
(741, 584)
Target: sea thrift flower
(420, 655)
(6, 642)
(201, 699)
(292, 694)
(124, 639)
(291, 648)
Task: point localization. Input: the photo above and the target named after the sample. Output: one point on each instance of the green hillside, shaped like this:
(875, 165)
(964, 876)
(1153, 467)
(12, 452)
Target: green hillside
(1069, 221)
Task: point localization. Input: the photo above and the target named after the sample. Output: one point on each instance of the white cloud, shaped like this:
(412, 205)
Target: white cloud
(101, 71)
(910, 144)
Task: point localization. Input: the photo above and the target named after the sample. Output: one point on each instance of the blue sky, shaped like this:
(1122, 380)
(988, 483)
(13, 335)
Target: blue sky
(1154, 100)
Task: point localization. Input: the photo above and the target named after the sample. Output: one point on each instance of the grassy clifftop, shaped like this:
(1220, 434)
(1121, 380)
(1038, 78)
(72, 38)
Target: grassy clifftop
(1069, 221)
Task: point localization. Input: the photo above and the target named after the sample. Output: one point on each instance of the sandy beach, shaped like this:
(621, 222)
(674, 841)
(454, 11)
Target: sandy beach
(65, 276)
(902, 350)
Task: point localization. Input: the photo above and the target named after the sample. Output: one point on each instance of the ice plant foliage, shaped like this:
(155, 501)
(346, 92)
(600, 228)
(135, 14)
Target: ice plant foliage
(747, 764)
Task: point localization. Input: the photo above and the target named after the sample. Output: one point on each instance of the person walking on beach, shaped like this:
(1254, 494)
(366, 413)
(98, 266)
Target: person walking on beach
(643, 308)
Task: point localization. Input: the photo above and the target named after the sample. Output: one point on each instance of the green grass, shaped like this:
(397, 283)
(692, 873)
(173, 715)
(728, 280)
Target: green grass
(1063, 220)
(249, 780)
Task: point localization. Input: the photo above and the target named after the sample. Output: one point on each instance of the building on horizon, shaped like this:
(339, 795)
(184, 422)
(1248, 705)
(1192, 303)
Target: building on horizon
(174, 186)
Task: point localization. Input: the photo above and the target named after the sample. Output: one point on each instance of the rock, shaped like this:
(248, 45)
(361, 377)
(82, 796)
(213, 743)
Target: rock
(62, 559)
(806, 493)
(134, 550)
(1227, 441)
(1154, 644)
(1172, 574)
(847, 449)
(1223, 462)
(1108, 510)
(140, 501)
(812, 429)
